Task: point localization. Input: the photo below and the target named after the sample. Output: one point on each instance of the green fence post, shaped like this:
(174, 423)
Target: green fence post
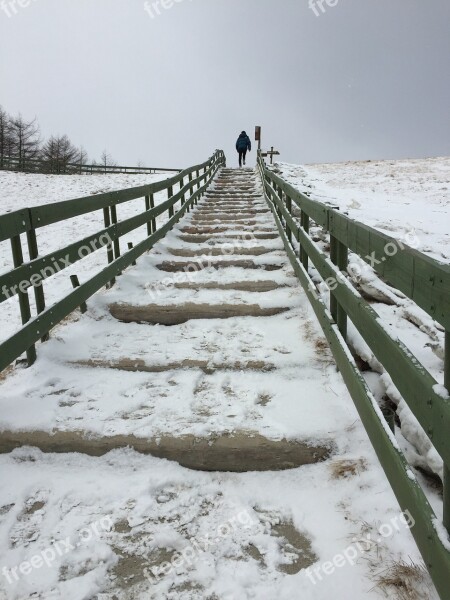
(147, 207)
(181, 187)
(304, 222)
(446, 482)
(339, 256)
(109, 248)
(190, 191)
(197, 174)
(152, 205)
(170, 194)
(24, 301)
(333, 257)
(289, 208)
(113, 209)
(342, 263)
(39, 288)
(130, 247)
(280, 196)
(76, 283)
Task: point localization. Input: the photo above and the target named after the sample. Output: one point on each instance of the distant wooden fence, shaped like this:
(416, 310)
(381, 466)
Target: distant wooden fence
(56, 167)
(420, 278)
(192, 183)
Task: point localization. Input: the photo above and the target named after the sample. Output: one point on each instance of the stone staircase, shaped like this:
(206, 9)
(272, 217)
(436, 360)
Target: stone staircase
(235, 208)
(211, 338)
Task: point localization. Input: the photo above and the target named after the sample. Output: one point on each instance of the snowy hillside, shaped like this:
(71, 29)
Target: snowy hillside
(408, 199)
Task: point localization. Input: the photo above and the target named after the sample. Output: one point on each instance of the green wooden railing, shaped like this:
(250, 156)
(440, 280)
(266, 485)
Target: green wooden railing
(192, 183)
(421, 279)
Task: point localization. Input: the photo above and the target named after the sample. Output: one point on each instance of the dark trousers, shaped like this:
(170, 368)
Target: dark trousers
(242, 155)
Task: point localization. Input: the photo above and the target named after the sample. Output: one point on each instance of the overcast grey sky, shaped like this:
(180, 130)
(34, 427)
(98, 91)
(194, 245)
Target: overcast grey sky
(364, 79)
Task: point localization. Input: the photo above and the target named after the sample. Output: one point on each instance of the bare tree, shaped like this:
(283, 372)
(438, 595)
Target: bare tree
(82, 158)
(58, 152)
(106, 160)
(5, 135)
(25, 138)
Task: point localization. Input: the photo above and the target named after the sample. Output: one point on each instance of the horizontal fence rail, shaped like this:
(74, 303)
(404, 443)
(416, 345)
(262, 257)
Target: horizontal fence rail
(420, 278)
(60, 167)
(192, 183)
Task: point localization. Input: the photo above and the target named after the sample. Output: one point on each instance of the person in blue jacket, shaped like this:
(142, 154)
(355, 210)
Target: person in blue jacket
(242, 145)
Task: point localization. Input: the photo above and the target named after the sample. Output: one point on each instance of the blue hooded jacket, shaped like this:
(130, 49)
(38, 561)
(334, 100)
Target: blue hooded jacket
(243, 143)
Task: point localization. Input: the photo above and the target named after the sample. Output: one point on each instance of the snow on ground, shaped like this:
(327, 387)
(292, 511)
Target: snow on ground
(19, 190)
(126, 526)
(104, 525)
(406, 199)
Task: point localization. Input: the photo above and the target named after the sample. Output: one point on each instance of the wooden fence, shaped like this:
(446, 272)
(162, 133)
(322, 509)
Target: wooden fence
(59, 167)
(420, 278)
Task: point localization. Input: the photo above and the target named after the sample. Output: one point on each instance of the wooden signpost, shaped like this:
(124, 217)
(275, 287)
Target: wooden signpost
(270, 153)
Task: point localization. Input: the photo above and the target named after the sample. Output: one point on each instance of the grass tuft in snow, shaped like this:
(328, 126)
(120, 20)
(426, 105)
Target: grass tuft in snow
(405, 581)
(340, 469)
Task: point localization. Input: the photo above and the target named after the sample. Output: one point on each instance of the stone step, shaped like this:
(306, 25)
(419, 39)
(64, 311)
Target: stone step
(207, 209)
(219, 208)
(248, 221)
(192, 266)
(233, 189)
(215, 201)
(232, 194)
(207, 366)
(230, 208)
(243, 286)
(209, 228)
(177, 314)
(221, 216)
(239, 217)
(225, 183)
(224, 250)
(199, 238)
(237, 452)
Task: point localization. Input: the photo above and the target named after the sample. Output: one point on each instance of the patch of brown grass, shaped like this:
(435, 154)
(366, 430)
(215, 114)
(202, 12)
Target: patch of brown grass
(341, 469)
(321, 345)
(405, 581)
(6, 372)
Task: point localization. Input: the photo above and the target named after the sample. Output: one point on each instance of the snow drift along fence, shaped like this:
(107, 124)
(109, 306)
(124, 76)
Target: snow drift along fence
(59, 167)
(192, 183)
(422, 279)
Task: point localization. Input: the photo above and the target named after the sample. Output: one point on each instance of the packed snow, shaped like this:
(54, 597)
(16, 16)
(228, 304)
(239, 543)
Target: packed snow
(406, 199)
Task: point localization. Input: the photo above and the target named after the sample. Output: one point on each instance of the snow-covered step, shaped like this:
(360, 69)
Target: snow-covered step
(174, 266)
(180, 313)
(196, 228)
(235, 216)
(222, 238)
(220, 250)
(244, 286)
